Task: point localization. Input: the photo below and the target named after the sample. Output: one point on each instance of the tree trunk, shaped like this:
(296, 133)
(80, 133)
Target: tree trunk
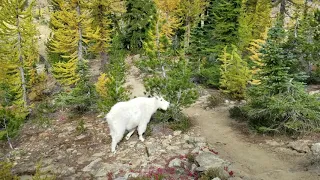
(157, 39)
(104, 60)
(187, 35)
(21, 70)
(283, 8)
(80, 54)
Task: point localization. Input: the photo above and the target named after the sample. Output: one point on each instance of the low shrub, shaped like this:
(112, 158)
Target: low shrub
(215, 100)
(5, 171)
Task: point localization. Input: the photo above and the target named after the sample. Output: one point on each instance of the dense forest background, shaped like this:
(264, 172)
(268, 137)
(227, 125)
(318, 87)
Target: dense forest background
(261, 51)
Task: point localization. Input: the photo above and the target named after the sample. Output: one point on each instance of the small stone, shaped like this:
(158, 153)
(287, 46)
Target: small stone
(177, 133)
(120, 178)
(74, 151)
(216, 178)
(131, 175)
(171, 148)
(176, 162)
(170, 137)
(195, 150)
(234, 178)
(80, 137)
(193, 167)
(186, 137)
(140, 146)
(226, 101)
(273, 143)
(69, 150)
(165, 142)
(188, 146)
(99, 154)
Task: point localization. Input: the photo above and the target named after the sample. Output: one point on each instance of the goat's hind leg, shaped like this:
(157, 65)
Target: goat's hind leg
(130, 133)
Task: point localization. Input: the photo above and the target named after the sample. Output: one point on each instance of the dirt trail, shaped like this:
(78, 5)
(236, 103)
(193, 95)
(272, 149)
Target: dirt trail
(251, 161)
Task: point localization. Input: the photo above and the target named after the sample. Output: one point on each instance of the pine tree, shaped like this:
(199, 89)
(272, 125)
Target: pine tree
(18, 57)
(235, 73)
(110, 85)
(254, 19)
(71, 29)
(166, 23)
(281, 100)
(285, 5)
(139, 19)
(303, 41)
(18, 46)
(190, 11)
(101, 12)
(224, 23)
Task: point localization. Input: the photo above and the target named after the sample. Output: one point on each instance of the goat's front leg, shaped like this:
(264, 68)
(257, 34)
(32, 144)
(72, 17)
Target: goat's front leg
(141, 129)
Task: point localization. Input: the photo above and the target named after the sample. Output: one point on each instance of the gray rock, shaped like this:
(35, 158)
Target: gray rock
(177, 133)
(120, 178)
(234, 178)
(208, 160)
(193, 168)
(131, 175)
(315, 149)
(90, 166)
(172, 148)
(176, 162)
(195, 150)
(273, 143)
(301, 146)
(99, 154)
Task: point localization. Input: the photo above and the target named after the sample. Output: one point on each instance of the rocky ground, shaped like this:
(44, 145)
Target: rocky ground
(65, 153)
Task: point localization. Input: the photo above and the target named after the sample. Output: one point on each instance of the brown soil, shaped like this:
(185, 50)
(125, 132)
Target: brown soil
(250, 157)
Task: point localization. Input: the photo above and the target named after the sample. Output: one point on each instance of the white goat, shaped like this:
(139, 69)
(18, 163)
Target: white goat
(132, 114)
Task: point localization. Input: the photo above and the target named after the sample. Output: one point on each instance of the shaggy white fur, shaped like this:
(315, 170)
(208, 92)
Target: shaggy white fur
(132, 114)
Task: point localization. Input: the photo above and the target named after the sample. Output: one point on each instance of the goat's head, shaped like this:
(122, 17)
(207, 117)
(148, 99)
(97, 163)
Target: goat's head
(161, 103)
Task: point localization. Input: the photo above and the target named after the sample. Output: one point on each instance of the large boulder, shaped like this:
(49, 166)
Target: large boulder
(315, 149)
(301, 146)
(208, 160)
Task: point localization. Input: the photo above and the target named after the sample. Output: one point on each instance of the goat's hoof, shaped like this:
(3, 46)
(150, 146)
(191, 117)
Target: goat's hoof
(127, 138)
(141, 139)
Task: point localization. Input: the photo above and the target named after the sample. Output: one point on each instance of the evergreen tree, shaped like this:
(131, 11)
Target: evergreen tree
(138, 18)
(224, 23)
(303, 41)
(190, 11)
(71, 29)
(110, 85)
(18, 57)
(279, 103)
(18, 46)
(285, 5)
(102, 11)
(166, 23)
(254, 19)
(235, 73)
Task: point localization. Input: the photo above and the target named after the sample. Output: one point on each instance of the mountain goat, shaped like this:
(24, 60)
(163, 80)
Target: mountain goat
(132, 114)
